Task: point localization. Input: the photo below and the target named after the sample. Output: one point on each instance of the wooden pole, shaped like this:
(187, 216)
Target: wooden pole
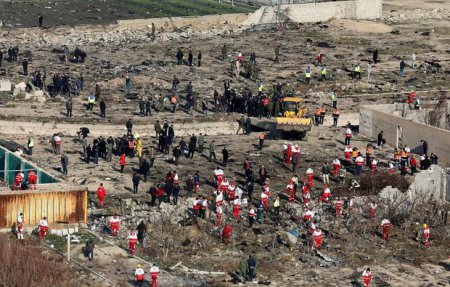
(68, 245)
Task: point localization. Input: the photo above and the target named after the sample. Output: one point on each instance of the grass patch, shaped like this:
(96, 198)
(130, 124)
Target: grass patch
(173, 8)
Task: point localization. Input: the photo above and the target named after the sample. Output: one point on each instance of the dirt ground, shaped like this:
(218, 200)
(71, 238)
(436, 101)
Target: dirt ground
(352, 244)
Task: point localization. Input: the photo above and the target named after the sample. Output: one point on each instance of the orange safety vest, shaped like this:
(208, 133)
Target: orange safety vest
(396, 155)
(261, 136)
(131, 144)
(404, 154)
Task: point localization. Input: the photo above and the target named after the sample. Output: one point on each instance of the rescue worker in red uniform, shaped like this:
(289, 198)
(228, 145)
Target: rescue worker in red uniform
(339, 208)
(231, 191)
(226, 233)
(18, 181)
(101, 193)
(114, 225)
(43, 227)
(317, 237)
(326, 194)
(219, 213)
(236, 207)
(132, 240)
(385, 225)
(310, 175)
(20, 226)
(265, 200)
(348, 152)
(218, 175)
(154, 272)
(290, 191)
(32, 179)
(336, 166)
(367, 277)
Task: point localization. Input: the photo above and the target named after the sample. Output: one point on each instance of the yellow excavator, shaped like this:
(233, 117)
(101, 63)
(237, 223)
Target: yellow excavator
(294, 120)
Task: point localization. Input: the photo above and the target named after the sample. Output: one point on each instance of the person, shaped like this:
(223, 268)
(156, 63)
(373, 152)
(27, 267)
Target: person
(43, 227)
(154, 272)
(413, 164)
(310, 175)
(179, 57)
(91, 102)
(226, 233)
(369, 71)
(101, 194)
(69, 108)
(434, 159)
(64, 163)
(424, 147)
(426, 235)
(336, 166)
(129, 126)
(136, 180)
(132, 240)
(380, 140)
(57, 144)
(32, 179)
(190, 59)
(243, 270)
(277, 53)
(225, 156)
(251, 216)
(122, 162)
(261, 140)
(1, 57)
(102, 109)
(114, 225)
(348, 136)
(357, 71)
(359, 161)
(317, 237)
(212, 152)
(323, 73)
(30, 145)
(139, 275)
(199, 59)
(89, 248)
(241, 122)
(385, 225)
(307, 75)
(19, 225)
(252, 264)
(326, 173)
(375, 56)
(40, 20)
(367, 277)
(402, 68)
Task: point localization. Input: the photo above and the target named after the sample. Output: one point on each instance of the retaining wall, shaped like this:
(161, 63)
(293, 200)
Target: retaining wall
(372, 121)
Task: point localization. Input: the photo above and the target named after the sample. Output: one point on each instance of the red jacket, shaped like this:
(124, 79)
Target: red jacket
(123, 161)
(101, 191)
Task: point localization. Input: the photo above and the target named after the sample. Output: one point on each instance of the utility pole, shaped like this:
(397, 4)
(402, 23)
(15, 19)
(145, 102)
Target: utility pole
(68, 245)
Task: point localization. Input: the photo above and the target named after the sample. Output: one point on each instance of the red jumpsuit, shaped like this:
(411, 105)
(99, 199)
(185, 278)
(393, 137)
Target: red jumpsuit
(219, 215)
(132, 240)
(154, 272)
(18, 182)
(317, 239)
(373, 212)
(289, 154)
(236, 208)
(226, 233)
(32, 179)
(339, 208)
(386, 225)
(291, 192)
(367, 277)
(101, 193)
(114, 225)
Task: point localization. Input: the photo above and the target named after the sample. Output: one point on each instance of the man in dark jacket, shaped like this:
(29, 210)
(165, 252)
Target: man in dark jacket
(136, 180)
(225, 156)
(102, 109)
(129, 126)
(192, 145)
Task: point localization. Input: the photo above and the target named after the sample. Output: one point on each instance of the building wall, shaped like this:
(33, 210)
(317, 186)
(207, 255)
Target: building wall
(60, 206)
(371, 122)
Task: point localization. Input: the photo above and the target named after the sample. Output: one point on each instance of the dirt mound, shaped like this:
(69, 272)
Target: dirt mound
(362, 26)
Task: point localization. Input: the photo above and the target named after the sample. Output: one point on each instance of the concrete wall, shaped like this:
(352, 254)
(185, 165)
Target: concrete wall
(373, 121)
(315, 12)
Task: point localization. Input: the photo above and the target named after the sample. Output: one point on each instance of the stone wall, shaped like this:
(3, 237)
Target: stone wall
(372, 121)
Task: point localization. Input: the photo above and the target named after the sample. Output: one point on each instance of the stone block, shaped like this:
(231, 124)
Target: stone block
(5, 85)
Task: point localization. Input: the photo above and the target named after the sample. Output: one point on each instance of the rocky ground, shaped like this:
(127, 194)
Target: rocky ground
(352, 243)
